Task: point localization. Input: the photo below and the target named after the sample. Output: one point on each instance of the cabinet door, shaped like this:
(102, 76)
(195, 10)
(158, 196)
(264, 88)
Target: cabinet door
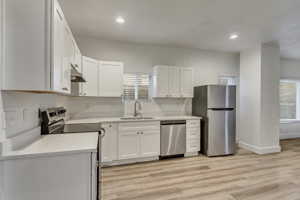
(161, 81)
(110, 79)
(109, 142)
(60, 177)
(58, 49)
(129, 144)
(150, 143)
(186, 80)
(67, 59)
(174, 82)
(78, 59)
(90, 73)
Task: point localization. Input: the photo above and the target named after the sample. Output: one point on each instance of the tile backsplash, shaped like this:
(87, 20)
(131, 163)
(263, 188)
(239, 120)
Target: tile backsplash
(21, 110)
(89, 107)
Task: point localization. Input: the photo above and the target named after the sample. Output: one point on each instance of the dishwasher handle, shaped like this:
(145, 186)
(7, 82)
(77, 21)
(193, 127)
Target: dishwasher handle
(173, 122)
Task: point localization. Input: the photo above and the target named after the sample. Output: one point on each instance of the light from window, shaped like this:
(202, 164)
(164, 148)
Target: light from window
(136, 86)
(288, 100)
(227, 80)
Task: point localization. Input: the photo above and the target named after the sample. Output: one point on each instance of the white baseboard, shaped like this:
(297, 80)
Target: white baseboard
(129, 161)
(260, 150)
(289, 135)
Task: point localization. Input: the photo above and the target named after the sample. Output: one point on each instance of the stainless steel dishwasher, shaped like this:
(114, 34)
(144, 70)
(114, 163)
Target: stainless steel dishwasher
(172, 137)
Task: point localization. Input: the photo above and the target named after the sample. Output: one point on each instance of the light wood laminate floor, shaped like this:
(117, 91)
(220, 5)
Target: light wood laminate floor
(245, 176)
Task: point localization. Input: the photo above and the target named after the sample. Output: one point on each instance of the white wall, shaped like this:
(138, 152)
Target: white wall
(249, 120)
(259, 99)
(1, 109)
(290, 68)
(270, 110)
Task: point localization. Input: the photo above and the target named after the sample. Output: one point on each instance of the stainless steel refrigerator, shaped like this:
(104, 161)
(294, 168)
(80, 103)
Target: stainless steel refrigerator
(216, 105)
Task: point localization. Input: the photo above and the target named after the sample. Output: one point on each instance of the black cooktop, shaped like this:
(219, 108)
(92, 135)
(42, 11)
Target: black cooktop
(77, 128)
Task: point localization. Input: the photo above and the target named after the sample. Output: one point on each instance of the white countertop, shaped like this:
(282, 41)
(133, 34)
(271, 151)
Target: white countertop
(58, 144)
(118, 119)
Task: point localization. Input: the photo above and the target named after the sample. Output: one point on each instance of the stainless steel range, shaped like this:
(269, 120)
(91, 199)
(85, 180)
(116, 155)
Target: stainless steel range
(53, 122)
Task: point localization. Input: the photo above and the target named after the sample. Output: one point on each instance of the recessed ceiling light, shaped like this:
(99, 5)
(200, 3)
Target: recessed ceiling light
(233, 36)
(120, 20)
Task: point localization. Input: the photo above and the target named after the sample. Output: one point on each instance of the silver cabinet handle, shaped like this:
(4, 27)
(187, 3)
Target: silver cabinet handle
(65, 89)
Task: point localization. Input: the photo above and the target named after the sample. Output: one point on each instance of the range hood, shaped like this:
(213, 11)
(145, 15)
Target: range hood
(76, 76)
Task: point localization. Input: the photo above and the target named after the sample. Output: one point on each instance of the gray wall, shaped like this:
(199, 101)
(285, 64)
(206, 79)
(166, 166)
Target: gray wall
(208, 65)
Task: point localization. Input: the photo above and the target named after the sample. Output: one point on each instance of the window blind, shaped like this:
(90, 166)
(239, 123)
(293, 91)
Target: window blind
(136, 86)
(288, 100)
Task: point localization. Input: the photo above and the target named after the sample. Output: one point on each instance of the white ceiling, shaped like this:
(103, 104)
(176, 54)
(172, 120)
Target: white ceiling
(204, 24)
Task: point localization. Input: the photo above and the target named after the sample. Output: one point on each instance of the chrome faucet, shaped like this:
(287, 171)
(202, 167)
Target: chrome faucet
(137, 110)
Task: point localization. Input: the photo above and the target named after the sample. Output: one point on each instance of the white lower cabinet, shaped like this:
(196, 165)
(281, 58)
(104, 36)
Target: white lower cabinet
(129, 144)
(192, 136)
(139, 140)
(150, 143)
(109, 144)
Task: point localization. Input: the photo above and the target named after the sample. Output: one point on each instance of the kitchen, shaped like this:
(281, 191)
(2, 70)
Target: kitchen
(135, 85)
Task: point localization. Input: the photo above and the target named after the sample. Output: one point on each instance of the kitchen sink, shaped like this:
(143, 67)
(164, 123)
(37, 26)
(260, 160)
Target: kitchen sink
(136, 118)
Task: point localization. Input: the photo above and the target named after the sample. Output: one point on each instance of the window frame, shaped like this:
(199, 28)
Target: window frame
(297, 82)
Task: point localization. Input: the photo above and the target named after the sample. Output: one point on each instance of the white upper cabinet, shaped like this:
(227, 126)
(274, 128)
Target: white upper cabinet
(104, 78)
(172, 82)
(40, 58)
(68, 58)
(78, 58)
(186, 80)
(161, 81)
(58, 48)
(90, 73)
(110, 79)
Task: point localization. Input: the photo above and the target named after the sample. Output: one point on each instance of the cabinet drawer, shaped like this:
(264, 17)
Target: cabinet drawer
(193, 131)
(139, 126)
(192, 138)
(193, 149)
(193, 145)
(193, 141)
(193, 123)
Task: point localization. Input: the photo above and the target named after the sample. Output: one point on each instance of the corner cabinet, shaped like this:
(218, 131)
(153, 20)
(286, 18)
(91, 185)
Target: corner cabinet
(172, 82)
(103, 78)
(38, 48)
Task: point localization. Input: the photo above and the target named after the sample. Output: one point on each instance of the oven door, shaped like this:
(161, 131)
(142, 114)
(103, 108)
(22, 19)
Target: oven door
(99, 165)
(96, 169)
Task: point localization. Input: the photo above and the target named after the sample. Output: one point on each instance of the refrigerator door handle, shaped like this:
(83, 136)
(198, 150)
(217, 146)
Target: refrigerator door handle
(221, 109)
